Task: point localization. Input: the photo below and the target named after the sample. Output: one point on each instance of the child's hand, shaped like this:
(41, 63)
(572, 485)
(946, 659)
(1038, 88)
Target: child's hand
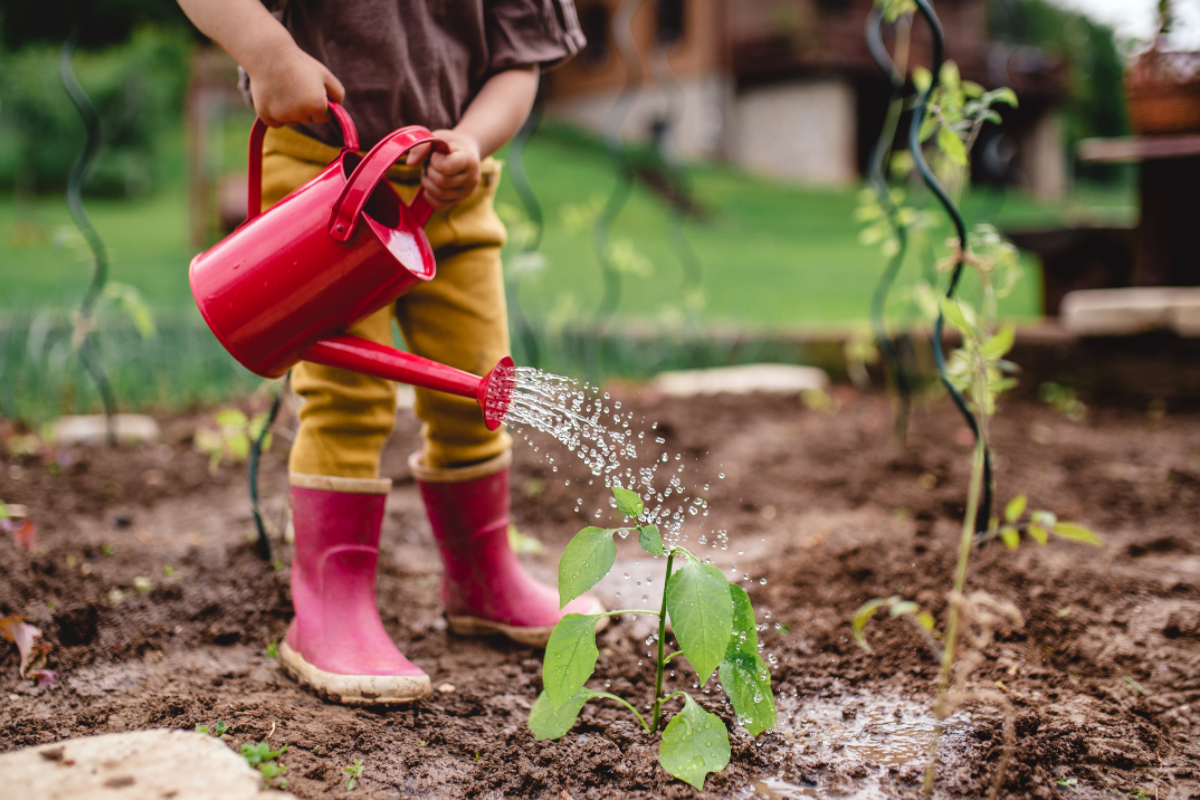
(450, 177)
(293, 87)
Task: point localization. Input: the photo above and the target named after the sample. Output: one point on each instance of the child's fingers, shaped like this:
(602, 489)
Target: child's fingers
(418, 154)
(451, 181)
(451, 163)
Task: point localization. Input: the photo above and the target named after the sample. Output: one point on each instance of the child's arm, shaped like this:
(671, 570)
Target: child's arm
(288, 85)
(492, 118)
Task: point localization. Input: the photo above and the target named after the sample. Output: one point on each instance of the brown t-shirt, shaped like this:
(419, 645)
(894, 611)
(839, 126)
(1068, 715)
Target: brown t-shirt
(421, 62)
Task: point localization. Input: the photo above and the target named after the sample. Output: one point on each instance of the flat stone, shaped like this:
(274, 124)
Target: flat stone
(141, 765)
(1131, 311)
(92, 430)
(771, 378)
(1185, 317)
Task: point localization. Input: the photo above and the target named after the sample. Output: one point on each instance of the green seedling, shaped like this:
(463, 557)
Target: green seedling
(219, 729)
(1068, 783)
(273, 650)
(232, 438)
(1063, 400)
(978, 372)
(355, 772)
(713, 623)
(262, 757)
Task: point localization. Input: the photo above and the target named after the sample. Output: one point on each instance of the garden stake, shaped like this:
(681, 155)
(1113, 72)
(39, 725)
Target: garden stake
(623, 167)
(895, 71)
(679, 193)
(85, 336)
(256, 448)
(984, 511)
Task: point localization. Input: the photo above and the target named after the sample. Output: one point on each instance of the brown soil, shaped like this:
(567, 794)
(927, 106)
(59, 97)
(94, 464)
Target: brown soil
(1104, 677)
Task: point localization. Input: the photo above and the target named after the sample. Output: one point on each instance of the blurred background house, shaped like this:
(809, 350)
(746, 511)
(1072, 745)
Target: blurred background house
(788, 87)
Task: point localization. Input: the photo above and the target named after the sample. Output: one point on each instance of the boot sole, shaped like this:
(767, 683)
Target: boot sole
(354, 690)
(532, 637)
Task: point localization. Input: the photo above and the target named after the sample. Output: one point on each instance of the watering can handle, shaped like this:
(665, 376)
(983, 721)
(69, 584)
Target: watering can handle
(259, 131)
(372, 170)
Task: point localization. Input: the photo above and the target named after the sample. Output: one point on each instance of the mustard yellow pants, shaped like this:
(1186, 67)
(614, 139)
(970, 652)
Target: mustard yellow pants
(458, 319)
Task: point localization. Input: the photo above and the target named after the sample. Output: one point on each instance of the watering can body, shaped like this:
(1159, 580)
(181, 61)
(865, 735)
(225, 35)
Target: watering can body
(286, 285)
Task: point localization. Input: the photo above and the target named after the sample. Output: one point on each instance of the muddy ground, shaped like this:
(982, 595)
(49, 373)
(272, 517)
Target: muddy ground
(828, 509)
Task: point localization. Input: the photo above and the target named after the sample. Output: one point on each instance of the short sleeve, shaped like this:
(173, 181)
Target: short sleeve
(522, 33)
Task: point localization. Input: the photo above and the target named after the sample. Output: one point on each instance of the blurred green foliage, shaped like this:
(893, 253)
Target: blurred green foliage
(1097, 103)
(137, 88)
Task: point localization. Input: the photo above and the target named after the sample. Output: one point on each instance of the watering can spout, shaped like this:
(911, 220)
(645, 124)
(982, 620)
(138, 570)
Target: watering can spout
(493, 391)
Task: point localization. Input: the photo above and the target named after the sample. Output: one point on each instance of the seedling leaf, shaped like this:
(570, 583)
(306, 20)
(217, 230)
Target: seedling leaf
(1011, 537)
(550, 722)
(862, 617)
(952, 146)
(1015, 508)
(628, 503)
(999, 344)
(744, 674)
(701, 612)
(587, 558)
(1076, 533)
(650, 540)
(694, 744)
(1039, 534)
(232, 418)
(954, 315)
(570, 657)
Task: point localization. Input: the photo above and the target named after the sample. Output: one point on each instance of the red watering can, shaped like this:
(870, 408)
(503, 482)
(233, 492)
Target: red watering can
(286, 285)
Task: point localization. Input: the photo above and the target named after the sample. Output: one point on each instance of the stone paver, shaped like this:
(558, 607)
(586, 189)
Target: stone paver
(775, 378)
(141, 765)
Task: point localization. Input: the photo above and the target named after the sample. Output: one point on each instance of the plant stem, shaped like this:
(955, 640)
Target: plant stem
(662, 639)
(625, 703)
(965, 543)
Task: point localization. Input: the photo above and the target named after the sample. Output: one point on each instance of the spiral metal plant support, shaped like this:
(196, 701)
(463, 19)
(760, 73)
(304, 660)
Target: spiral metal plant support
(533, 210)
(679, 185)
(914, 145)
(900, 376)
(602, 230)
(85, 335)
(256, 450)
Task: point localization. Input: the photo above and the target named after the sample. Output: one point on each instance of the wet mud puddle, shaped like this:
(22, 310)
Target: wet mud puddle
(858, 746)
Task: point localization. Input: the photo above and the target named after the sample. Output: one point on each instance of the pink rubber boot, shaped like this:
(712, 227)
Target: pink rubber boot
(336, 643)
(484, 588)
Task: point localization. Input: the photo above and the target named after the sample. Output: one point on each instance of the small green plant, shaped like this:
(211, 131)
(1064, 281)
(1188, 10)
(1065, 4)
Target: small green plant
(232, 438)
(273, 650)
(950, 116)
(713, 623)
(219, 729)
(1068, 783)
(1063, 400)
(354, 771)
(262, 757)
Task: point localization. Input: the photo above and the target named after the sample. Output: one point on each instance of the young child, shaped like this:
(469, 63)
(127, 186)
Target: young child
(468, 70)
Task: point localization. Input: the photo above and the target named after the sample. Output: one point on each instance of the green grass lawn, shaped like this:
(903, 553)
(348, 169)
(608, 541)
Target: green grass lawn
(772, 254)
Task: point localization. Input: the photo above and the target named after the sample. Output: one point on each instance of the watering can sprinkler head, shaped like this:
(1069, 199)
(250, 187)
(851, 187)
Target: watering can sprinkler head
(286, 285)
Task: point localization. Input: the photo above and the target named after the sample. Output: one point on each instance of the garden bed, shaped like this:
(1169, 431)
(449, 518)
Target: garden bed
(829, 511)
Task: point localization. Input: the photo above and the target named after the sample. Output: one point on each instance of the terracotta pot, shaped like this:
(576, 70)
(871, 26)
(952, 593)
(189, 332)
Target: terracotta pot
(1162, 92)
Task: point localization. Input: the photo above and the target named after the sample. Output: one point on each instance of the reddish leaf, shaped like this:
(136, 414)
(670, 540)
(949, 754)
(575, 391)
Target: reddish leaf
(25, 535)
(34, 652)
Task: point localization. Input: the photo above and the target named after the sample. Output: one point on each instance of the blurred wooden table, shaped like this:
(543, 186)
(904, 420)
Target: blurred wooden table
(1167, 248)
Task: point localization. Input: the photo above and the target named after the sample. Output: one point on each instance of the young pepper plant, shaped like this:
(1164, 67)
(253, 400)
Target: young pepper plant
(712, 621)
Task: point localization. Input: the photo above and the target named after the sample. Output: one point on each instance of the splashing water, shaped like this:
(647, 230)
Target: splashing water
(593, 427)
